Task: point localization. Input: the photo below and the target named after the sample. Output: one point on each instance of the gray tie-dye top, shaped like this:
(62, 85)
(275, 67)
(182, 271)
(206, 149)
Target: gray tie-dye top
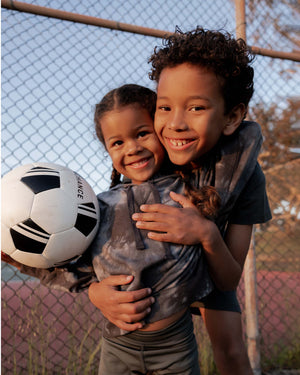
(177, 274)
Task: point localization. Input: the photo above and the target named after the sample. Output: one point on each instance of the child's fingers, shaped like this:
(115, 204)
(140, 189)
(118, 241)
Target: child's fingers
(149, 217)
(137, 299)
(134, 312)
(128, 326)
(153, 225)
(181, 199)
(117, 280)
(157, 207)
(163, 237)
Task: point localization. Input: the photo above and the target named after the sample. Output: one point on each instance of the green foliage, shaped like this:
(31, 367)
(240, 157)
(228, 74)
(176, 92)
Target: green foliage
(283, 357)
(281, 130)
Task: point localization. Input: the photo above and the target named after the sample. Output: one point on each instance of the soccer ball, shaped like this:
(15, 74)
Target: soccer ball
(49, 215)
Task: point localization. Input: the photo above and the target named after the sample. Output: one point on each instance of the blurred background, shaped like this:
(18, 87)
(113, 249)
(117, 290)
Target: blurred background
(54, 72)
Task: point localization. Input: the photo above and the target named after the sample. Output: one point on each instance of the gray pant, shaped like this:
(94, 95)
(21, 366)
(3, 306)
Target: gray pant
(172, 350)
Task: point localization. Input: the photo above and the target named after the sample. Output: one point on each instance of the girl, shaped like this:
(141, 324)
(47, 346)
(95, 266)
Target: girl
(177, 275)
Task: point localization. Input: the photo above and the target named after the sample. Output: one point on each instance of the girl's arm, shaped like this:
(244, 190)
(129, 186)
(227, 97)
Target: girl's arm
(9, 260)
(187, 226)
(72, 277)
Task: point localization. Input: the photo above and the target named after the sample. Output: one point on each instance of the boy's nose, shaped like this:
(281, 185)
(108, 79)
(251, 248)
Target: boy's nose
(177, 122)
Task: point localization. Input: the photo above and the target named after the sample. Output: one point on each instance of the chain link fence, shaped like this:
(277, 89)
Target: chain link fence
(53, 74)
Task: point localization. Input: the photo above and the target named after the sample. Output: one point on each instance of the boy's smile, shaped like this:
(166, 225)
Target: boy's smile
(189, 118)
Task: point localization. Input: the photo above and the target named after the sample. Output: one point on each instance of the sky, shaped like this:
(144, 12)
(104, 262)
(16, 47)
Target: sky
(54, 72)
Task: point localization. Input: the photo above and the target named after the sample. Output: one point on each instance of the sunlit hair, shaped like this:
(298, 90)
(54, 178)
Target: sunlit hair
(228, 58)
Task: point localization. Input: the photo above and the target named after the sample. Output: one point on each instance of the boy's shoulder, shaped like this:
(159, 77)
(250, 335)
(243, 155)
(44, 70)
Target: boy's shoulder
(249, 128)
(246, 140)
(247, 133)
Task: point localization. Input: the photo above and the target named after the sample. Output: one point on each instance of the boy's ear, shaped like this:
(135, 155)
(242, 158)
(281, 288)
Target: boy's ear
(234, 119)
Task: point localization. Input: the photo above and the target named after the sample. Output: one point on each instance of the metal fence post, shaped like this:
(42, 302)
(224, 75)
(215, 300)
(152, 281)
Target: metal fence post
(251, 305)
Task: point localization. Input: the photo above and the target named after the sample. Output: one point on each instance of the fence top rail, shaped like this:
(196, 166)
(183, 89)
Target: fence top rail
(115, 25)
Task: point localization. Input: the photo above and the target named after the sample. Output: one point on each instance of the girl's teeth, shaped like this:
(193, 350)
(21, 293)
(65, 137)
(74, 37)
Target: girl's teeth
(141, 162)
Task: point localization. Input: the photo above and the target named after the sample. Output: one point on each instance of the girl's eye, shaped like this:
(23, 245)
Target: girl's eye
(197, 108)
(117, 143)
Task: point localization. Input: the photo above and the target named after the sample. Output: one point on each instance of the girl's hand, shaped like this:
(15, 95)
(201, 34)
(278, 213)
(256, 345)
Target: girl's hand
(124, 309)
(173, 224)
(9, 260)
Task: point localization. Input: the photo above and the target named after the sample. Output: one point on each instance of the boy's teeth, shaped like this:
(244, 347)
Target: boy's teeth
(178, 142)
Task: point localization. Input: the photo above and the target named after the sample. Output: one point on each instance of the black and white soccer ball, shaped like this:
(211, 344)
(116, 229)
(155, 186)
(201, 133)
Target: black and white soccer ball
(49, 215)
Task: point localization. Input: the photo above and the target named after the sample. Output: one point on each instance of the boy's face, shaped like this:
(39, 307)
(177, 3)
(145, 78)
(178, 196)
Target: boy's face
(131, 142)
(189, 118)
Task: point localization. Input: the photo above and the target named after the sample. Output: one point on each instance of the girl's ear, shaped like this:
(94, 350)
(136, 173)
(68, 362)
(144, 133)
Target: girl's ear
(234, 119)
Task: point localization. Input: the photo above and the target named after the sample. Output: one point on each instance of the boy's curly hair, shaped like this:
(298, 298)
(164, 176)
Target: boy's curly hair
(219, 52)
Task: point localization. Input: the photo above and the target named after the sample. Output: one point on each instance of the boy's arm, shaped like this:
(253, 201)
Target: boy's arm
(187, 226)
(125, 309)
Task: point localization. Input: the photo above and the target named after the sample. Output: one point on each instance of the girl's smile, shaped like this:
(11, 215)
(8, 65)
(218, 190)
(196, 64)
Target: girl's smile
(131, 142)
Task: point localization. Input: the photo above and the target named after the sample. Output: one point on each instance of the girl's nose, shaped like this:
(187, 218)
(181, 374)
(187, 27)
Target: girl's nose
(133, 147)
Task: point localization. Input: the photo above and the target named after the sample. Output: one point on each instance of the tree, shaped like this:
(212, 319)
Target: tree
(281, 130)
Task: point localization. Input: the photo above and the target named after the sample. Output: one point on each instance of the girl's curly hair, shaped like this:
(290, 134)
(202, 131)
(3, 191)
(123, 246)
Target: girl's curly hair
(228, 58)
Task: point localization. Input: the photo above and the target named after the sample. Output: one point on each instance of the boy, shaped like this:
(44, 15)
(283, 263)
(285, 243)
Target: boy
(204, 84)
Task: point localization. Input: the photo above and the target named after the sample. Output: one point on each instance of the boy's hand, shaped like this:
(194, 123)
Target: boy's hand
(9, 260)
(125, 309)
(173, 224)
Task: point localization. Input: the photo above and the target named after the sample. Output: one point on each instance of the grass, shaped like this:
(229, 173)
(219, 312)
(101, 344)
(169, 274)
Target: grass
(283, 357)
(38, 344)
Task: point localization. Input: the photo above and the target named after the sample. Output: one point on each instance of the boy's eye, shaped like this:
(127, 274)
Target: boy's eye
(142, 134)
(164, 108)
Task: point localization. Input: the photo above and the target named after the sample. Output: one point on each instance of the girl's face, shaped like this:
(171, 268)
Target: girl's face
(190, 117)
(131, 142)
